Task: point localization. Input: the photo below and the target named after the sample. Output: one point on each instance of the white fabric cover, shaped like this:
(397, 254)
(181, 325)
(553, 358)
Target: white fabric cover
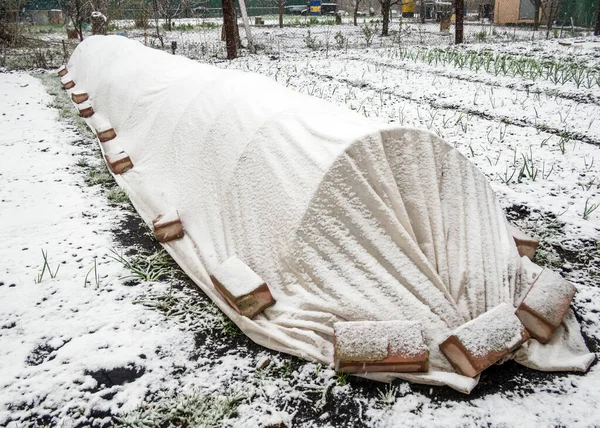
(344, 219)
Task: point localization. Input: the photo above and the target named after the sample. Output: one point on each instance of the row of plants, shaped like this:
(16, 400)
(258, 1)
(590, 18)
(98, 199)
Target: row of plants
(556, 71)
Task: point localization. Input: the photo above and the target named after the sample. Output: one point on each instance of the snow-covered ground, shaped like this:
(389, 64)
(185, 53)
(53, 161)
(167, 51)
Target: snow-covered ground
(83, 345)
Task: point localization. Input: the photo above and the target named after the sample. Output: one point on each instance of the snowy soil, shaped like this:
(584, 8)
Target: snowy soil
(82, 353)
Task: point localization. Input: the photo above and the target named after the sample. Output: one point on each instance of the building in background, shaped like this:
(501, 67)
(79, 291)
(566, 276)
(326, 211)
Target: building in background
(513, 11)
(408, 8)
(581, 12)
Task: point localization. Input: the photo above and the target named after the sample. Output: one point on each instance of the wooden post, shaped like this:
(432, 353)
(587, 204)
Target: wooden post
(229, 26)
(459, 24)
(280, 10)
(550, 17)
(65, 51)
(247, 26)
(536, 17)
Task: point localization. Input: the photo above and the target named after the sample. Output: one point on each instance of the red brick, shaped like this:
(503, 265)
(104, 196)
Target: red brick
(526, 245)
(118, 163)
(86, 111)
(62, 71)
(167, 227)
(242, 288)
(106, 135)
(249, 305)
(380, 346)
(545, 305)
(470, 357)
(68, 84)
(79, 97)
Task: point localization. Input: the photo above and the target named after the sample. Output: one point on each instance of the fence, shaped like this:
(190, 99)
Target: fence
(197, 30)
(202, 35)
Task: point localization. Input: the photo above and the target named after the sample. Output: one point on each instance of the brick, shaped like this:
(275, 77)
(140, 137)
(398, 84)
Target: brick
(167, 227)
(242, 288)
(545, 305)
(68, 84)
(78, 97)
(483, 341)
(62, 71)
(526, 245)
(105, 135)
(380, 346)
(118, 163)
(85, 109)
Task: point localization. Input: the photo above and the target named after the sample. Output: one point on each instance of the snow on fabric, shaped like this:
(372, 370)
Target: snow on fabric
(344, 220)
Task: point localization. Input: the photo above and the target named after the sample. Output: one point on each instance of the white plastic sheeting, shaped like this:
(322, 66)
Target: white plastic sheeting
(344, 219)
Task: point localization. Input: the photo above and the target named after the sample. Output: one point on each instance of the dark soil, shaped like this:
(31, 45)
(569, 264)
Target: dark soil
(42, 353)
(132, 235)
(116, 376)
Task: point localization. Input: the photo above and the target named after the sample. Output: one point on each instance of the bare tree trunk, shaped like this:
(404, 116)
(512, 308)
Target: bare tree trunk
(280, 4)
(229, 25)
(459, 24)
(185, 6)
(597, 26)
(423, 10)
(386, 8)
(385, 11)
(156, 23)
(78, 13)
(356, 5)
